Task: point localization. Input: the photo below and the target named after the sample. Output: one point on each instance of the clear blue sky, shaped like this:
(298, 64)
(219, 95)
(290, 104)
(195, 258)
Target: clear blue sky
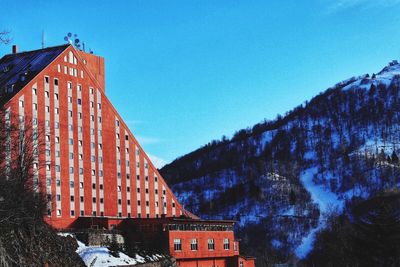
(182, 73)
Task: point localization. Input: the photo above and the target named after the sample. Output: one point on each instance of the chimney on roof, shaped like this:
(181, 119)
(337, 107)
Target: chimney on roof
(14, 49)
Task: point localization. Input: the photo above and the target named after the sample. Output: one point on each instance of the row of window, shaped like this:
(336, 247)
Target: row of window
(194, 244)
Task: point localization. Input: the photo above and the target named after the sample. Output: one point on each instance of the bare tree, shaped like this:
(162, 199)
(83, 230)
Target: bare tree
(25, 238)
(5, 37)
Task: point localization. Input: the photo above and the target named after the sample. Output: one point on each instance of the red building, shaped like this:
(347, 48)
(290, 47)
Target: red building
(94, 166)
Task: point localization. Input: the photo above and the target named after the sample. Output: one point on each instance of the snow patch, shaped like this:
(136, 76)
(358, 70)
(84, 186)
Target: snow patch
(325, 199)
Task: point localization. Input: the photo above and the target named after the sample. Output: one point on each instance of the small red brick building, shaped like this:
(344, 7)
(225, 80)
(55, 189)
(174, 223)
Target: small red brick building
(94, 170)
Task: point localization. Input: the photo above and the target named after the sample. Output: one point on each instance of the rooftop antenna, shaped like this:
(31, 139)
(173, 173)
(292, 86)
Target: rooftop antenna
(42, 39)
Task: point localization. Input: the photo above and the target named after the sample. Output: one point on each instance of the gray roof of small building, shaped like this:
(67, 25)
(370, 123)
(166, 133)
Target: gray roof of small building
(17, 70)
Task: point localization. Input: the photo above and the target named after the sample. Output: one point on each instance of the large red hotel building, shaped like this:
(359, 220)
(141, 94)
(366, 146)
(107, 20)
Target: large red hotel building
(95, 169)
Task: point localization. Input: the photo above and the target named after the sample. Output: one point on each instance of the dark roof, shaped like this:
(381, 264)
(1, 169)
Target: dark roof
(17, 70)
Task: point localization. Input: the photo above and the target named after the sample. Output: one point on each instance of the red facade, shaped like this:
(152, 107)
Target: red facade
(93, 165)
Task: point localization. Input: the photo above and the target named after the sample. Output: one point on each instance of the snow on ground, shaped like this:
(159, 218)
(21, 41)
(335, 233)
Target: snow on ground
(97, 256)
(100, 257)
(325, 200)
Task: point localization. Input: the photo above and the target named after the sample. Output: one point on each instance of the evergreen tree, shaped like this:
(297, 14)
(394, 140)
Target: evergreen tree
(114, 246)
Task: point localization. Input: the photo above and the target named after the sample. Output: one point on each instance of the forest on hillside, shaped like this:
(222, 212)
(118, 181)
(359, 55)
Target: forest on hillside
(346, 138)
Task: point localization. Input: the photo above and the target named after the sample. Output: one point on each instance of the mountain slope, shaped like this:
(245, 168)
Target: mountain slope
(280, 177)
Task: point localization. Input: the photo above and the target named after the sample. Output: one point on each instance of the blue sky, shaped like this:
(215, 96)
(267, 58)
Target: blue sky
(182, 73)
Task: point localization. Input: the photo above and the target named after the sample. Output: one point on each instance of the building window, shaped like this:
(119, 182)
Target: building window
(55, 82)
(58, 212)
(211, 244)
(79, 101)
(71, 170)
(21, 103)
(177, 245)
(193, 244)
(226, 243)
(46, 79)
(34, 91)
(70, 99)
(241, 264)
(72, 198)
(69, 85)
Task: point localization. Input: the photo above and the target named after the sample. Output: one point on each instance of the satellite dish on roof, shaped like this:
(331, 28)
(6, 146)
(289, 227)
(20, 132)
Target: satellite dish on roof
(74, 40)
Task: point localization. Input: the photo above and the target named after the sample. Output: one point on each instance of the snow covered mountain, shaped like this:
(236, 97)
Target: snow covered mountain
(280, 178)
